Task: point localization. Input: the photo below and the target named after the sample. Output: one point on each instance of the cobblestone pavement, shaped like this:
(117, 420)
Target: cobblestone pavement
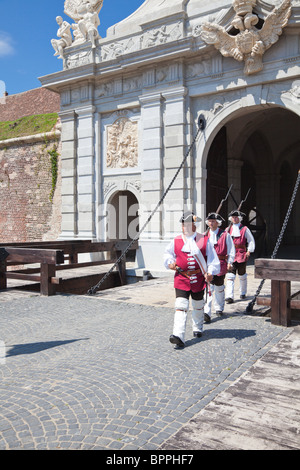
(94, 373)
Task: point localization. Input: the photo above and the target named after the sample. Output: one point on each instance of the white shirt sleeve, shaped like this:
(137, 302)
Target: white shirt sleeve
(250, 240)
(213, 263)
(169, 255)
(230, 249)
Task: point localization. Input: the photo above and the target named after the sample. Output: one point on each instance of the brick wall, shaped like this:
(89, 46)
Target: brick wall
(37, 101)
(26, 212)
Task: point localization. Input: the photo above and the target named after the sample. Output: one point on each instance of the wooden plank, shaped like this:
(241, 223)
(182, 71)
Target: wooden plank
(33, 255)
(24, 277)
(280, 311)
(277, 275)
(279, 270)
(43, 244)
(3, 281)
(81, 285)
(291, 264)
(84, 265)
(265, 301)
(47, 272)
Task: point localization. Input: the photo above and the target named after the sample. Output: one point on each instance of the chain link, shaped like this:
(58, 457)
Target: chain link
(279, 240)
(94, 289)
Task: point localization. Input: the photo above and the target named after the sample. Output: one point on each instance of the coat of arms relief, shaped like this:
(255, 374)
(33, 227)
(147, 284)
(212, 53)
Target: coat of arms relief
(122, 144)
(247, 41)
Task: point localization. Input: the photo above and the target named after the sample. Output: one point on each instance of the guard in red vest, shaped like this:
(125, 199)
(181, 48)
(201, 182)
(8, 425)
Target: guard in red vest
(223, 244)
(195, 262)
(244, 245)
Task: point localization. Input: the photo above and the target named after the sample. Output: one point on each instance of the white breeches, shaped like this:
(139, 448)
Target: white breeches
(219, 301)
(230, 278)
(181, 310)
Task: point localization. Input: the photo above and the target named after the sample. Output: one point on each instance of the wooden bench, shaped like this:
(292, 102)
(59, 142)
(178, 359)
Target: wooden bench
(51, 258)
(281, 273)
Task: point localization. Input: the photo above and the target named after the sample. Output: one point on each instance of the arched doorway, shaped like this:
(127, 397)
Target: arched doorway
(123, 218)
(260, 150)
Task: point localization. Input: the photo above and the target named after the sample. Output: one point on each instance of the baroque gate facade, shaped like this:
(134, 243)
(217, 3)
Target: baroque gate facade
(130, 104)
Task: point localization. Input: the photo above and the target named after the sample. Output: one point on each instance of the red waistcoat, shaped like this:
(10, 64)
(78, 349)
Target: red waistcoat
(240, 253)
(221, 250)
(187, 262)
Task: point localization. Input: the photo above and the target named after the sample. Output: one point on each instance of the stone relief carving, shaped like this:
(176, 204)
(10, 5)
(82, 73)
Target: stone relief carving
(161, 35)
(203, 67)
(250, 43)
(122, 144)
(85, 13)
(76, 60)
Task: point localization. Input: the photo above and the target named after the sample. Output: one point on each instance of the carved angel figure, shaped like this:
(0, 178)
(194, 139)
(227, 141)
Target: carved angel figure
(76, 9)
(88, 24)
(250, 43)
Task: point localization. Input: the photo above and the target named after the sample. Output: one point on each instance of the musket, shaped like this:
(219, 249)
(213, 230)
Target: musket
(244, 200)
(223, 200)
(240, 206)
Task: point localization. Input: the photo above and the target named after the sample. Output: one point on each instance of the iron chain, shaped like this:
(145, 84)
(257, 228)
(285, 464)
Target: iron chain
(93, 290)
(279, 240)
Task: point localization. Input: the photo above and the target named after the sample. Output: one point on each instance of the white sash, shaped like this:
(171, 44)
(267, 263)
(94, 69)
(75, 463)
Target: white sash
(190, 246)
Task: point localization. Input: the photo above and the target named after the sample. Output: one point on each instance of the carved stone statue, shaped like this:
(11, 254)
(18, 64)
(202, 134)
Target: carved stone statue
(250, 43)
(85, 13)
(89, 23)
(65, 36)
(75, 9)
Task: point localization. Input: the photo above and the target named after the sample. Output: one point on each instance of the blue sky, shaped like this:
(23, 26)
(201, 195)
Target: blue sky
(26, 29)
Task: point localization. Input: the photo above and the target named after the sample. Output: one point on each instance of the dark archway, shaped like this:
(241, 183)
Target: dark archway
(217, 185)
(258, 149)
(123, 218)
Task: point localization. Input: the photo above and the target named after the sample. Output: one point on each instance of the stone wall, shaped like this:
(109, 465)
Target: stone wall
(28, 209)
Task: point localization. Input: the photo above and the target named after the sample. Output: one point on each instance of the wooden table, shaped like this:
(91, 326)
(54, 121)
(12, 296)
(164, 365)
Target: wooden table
(281, 272)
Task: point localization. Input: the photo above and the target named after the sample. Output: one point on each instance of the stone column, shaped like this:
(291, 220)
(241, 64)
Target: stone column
(69, 175)
(86, 172)
(175, 149)
(151, 162)
(151, 153)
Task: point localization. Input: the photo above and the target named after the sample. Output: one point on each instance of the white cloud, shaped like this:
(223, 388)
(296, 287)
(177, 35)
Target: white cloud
(6, 44)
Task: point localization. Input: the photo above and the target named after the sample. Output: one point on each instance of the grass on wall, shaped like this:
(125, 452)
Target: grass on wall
(28, 125)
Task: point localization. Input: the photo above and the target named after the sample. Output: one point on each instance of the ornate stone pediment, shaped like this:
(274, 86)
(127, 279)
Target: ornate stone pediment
(247, 42)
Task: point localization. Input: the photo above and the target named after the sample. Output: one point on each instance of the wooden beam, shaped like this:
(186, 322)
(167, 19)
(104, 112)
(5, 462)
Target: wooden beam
(33, 255)
(280, 310)
(277, 269)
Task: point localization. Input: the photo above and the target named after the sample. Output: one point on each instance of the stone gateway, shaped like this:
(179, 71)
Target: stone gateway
(130, 103)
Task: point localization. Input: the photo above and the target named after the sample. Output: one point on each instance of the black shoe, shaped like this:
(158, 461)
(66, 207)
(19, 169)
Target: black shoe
(197, 334)
(219, 313)
(207, 318)
(242, 296)
(229, 300)
(177, 341)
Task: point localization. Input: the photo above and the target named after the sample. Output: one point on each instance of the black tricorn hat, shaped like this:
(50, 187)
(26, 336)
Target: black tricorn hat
(189, 216)
(215, 216)
(236, 213)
